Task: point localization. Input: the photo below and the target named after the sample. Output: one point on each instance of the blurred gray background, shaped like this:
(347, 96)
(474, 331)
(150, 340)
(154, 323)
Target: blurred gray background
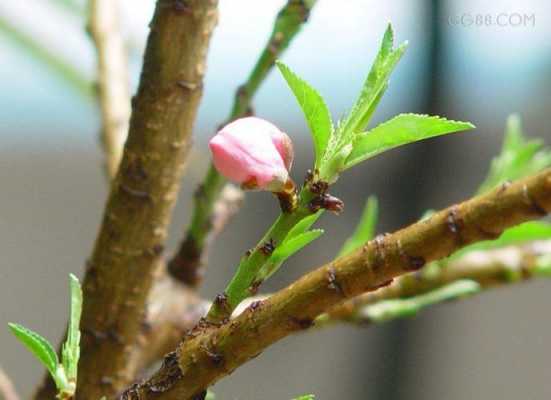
(493, 346)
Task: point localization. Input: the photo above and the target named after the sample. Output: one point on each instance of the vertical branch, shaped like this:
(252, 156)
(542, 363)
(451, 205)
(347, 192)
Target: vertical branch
(187, 263)
(126, 258)
(113, 81)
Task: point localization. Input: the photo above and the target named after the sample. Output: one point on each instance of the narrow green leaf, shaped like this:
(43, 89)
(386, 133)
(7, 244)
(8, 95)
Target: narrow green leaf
(71, 348)
(314, 108)
(400, 308)
(400, 130)
(375, 83)
(519, 157)
(291, 246)
(40, 347)
(305, 397)
(303, 225)
(286, 249)
(365, 230)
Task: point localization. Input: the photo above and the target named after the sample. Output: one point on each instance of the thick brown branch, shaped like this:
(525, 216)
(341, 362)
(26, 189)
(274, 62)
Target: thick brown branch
(113, 91)
(127, 255)
(490, 268)
(210, 352)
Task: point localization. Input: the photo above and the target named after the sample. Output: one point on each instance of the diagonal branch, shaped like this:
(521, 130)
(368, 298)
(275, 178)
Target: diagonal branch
(186, 265)
(126, 259)
(174, 309)
(113, 81)
(211, 352)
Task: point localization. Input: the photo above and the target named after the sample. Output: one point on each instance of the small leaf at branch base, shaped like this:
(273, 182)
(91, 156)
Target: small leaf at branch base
(71, 348)
(40, 347)
(314, 108)
(303, 225)
(285, 250)
(400, 130)
(291, 246)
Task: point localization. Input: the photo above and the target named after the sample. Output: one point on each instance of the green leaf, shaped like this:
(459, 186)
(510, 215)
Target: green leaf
(40, 347)
(340, 144)
(291, 246)
(519, 157)
(305, 397)
(387, 310)
(400, 130)
(71, 348)
(286, 249)
(526, 232)
(303, 225)
(314, 109)
(365, 230)
(375, 83)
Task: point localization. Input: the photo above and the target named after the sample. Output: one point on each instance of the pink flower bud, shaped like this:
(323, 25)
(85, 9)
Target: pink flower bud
(253, 152)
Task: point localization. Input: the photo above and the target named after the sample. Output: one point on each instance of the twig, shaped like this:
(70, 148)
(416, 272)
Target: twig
(186, 265)
(187, 262)
(210, 352)
(113, 81)
(7, 389)
(489, 268)
(127, 256)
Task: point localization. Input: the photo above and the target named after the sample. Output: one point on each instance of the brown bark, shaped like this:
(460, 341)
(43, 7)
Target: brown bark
(211, 352)
(126, 259)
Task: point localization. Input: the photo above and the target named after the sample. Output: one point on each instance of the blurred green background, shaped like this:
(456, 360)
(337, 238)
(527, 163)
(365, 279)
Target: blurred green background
(458, 64)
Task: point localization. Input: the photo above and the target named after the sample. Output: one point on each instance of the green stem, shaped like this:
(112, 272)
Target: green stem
(287, 24)
(246, 279)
